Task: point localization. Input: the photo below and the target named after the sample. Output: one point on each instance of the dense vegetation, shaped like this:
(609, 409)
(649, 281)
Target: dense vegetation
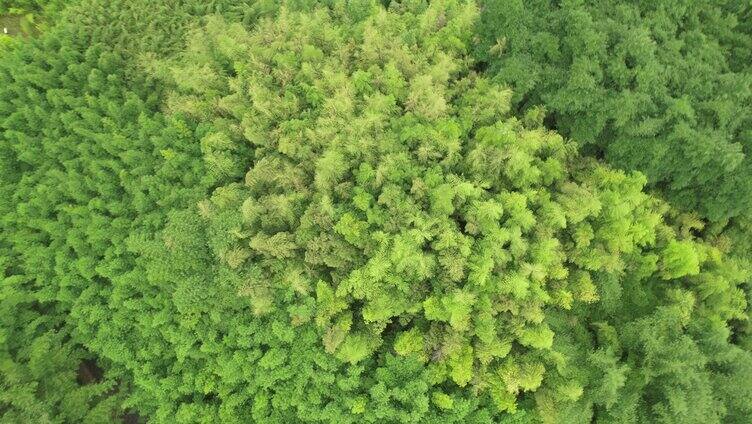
(27, 17)
(664, 87)
(373, 211)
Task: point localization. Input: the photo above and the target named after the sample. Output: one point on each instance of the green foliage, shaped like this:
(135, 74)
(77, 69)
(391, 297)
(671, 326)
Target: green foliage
(87, 162)
(389, 190)
(40, 365)
(660, 86)
(679, 259)
(29, 5)
(29, 17)
(319, 211)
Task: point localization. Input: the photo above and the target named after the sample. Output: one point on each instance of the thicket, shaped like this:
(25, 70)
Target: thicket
(81, 129)
(663, 87)
(326, 211)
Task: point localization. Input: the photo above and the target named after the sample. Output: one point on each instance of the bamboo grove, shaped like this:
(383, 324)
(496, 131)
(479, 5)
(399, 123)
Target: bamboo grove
(365, 211)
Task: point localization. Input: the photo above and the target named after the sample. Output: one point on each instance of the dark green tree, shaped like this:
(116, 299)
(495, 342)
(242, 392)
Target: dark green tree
(662, 87)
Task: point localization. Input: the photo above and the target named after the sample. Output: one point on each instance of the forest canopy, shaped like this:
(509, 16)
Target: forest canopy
(376, 212)
(662, 87)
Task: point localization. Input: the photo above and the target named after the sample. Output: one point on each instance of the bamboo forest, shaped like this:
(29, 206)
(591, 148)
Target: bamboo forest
(376, 211)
